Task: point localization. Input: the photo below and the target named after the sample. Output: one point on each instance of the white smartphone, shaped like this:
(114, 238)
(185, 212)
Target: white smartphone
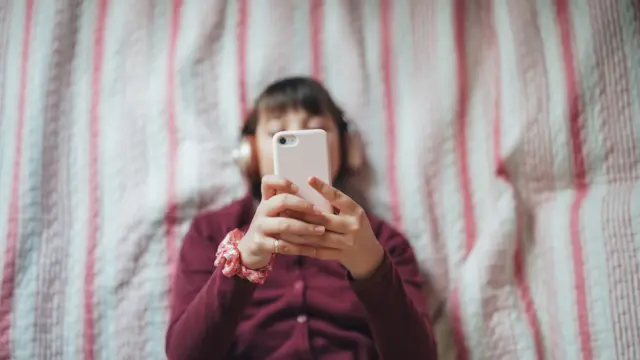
(300, 154)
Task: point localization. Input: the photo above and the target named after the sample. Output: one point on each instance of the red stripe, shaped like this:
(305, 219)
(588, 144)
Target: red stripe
(456, 325)
(459, 20)
(243, 15)
(11, 247)
(461, 118)
(502, 171)
(525, 292)
(171, 217)
(491, 303)
(543, 161)
(94, 186)
(616, 122)
(573, 101)
(389, 106)
(315, 21)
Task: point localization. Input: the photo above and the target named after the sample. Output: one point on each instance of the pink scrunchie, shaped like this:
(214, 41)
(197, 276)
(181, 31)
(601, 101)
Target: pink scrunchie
(228, 257)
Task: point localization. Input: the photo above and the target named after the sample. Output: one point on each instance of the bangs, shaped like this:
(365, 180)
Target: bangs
(295, 93)
(303, 94)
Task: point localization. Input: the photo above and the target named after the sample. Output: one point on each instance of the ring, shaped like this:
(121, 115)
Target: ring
(276, 246)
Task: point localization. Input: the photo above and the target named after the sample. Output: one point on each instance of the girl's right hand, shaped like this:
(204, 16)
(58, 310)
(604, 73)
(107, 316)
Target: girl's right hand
(259, 242)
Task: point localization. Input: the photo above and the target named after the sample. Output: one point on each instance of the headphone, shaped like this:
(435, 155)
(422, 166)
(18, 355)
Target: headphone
(352, 148)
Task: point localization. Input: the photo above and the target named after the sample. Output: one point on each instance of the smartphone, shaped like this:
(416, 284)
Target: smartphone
(300, 154)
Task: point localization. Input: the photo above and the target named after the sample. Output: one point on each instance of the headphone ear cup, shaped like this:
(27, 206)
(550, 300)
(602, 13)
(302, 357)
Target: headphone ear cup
(246, 158)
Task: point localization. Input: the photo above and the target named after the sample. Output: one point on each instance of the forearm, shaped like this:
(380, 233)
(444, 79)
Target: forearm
(399, 330)
(207, 327)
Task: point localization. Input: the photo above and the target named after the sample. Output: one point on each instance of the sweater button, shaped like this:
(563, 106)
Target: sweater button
(301, 319)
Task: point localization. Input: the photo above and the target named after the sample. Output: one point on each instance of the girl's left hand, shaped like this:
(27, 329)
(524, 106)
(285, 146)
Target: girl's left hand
(348, 237)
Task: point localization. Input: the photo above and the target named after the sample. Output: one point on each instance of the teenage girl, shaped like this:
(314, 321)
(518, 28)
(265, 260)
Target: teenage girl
(271, 277)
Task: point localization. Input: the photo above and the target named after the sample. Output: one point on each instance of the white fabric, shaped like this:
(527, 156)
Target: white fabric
(494, 128)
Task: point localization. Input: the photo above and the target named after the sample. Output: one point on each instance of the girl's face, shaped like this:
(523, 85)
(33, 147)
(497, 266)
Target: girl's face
(294, 119)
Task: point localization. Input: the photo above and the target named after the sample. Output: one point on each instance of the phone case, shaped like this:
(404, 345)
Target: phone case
(302, 154)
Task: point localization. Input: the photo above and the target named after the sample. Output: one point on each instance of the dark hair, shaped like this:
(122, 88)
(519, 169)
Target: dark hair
(295, 93)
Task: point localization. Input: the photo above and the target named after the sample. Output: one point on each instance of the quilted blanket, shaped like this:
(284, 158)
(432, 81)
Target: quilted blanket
(502, 135)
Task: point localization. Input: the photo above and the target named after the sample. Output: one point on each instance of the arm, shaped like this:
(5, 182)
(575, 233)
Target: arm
(389, 283)
(395, 304)
(206, 306)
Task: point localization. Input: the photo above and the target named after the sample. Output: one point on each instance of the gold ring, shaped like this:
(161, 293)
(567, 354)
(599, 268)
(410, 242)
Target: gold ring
(276, 247)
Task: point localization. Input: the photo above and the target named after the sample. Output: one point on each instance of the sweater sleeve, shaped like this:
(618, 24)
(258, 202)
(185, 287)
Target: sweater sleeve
(206, 306)
(395, 304)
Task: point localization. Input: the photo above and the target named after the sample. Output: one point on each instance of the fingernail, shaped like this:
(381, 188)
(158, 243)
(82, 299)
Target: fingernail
(317, 210)
(319, 229)
(294, 187)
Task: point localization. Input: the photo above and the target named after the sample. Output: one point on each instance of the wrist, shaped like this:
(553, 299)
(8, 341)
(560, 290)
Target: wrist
(248, 258)
(365, 269)
(229, 259)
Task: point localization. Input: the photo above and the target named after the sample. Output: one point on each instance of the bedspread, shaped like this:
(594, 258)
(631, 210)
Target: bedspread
(502, 138)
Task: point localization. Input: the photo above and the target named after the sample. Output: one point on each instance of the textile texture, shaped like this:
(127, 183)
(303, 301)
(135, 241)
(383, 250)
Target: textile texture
(502, 138)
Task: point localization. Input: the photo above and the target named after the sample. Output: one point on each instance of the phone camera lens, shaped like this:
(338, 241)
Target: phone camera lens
(282, 141)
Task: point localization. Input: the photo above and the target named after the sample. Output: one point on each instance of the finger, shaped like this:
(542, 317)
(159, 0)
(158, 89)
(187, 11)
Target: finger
(311, 218)
(300, 240)
(338, 223)
(287, 248)
(331, 222)
(273, 184)
(282, 202)
(282, 225)
(328, 240)
(336, 197)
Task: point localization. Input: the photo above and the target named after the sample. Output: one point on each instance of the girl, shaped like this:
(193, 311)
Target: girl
(338, 286)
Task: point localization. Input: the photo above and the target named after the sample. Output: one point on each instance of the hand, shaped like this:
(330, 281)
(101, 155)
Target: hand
(259, 242)
(348, 237)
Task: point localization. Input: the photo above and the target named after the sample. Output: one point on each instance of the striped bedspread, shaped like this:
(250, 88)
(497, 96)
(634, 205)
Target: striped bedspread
(503, 138)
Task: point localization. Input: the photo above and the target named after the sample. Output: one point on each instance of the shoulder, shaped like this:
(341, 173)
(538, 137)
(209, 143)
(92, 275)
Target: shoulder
(215, 224)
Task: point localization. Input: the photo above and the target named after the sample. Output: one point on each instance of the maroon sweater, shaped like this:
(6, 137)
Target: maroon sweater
(307, 308)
